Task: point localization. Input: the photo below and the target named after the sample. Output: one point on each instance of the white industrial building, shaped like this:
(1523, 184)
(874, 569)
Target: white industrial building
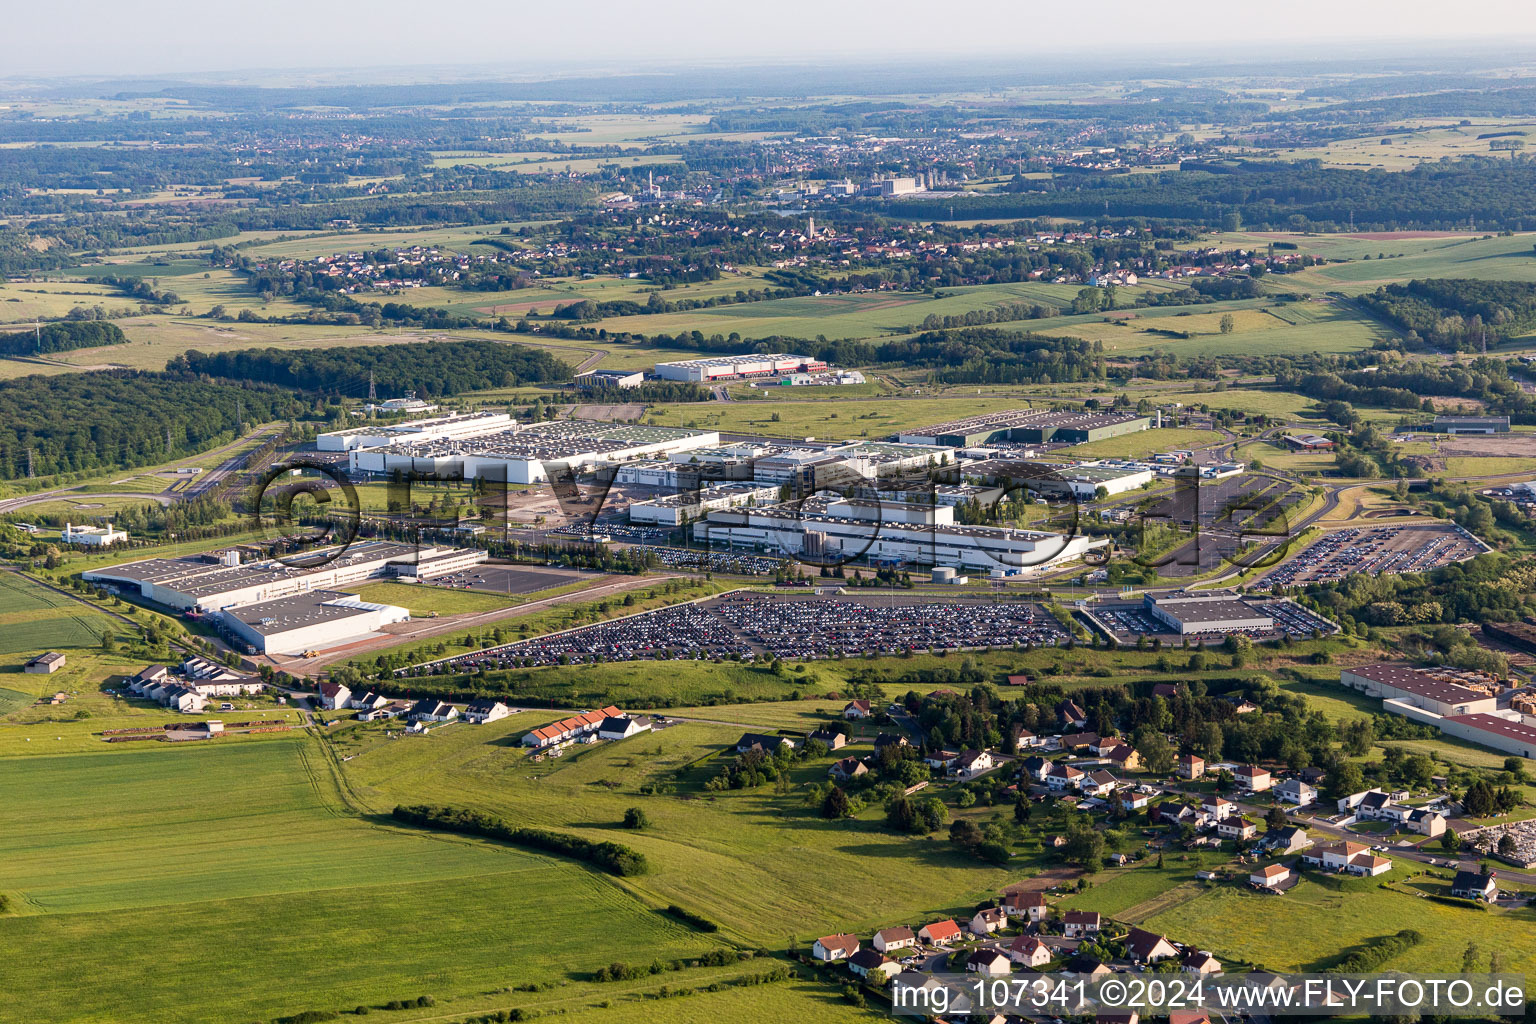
(702, 371)
(1217, 612)
(687, 506)
(211, 583)
(888, 532)
(610, 379)
(306, 622)
(527, 454)
(365, 435)
(1438, 692)
(92, 536)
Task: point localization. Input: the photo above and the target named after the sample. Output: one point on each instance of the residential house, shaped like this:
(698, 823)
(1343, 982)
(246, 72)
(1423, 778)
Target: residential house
(1063, 776)
(569, 730)
(1029, 951)
(334, 695)
(870, 963)
(1425, 822)
(1132, 798)
(622, 727)
(429, 709)
(940, 933)
(1372, 800)
(1098, 783)
(1069, 714)
(848, 768)
(1117, 1018)
(148, 676)
(1124, 757)
(1188, 1017)
(887, 739)
(1354, 858)
(985, 922)
(769, 745)
(1218, 808)
(973, 763)
(1148, 948)
(183, 699)
(941, 760)
(1078, 924)
(1021, 738)
(1036, 767)
(1242, 705)
(1271, 877)
(367, 701)
(888, 939)
(1473, 885)
(483, 710)
(1294, 791)
(1198, 961)
(835, 947)
(1085, 964)
(988, 961)
(1237, 827)
(1191, 766)
(1165, 690)
(1287, 840)
(858, 709)
(1030, 906)
(1252, 778)
(1080, 741)
(835, 739)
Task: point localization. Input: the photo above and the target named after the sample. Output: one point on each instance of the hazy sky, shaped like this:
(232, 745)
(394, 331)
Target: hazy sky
(93, 37)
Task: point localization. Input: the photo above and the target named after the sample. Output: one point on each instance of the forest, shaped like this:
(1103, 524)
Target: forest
(1457, 313)
(62, 336)
(431, 369)
(123, 418)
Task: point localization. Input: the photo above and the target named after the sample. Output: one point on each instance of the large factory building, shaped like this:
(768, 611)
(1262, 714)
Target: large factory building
(1027, 426)
(702, 371)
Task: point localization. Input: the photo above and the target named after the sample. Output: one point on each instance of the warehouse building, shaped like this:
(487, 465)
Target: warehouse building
(528, 454)
(1492, 731)
(1470, 425)
(687, 506)
(1218, 612)
(1027, 426)
(703, 371)
(309, 621)
(208, 583)
(1442, 692)
(474, 424)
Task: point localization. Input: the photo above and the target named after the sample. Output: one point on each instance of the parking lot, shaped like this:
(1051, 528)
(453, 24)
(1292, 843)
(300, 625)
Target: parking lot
(1376, 550)
(1129, 622)
(507, 579)
(782, 626)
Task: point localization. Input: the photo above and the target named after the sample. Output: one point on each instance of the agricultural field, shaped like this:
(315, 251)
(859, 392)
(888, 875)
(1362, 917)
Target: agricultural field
(34, 619)
(1304, 929)
(765, 867)
(160, 876)
(1489, 257)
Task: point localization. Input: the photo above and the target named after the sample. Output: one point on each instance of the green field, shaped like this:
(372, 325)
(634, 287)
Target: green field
(423, 599)
(124, 874)
(33, 619)
(1307, 927)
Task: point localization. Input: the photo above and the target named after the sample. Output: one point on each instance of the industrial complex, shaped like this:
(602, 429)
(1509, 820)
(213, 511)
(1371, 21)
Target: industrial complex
(1027, 426)
(520, 454)
(268, 606)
